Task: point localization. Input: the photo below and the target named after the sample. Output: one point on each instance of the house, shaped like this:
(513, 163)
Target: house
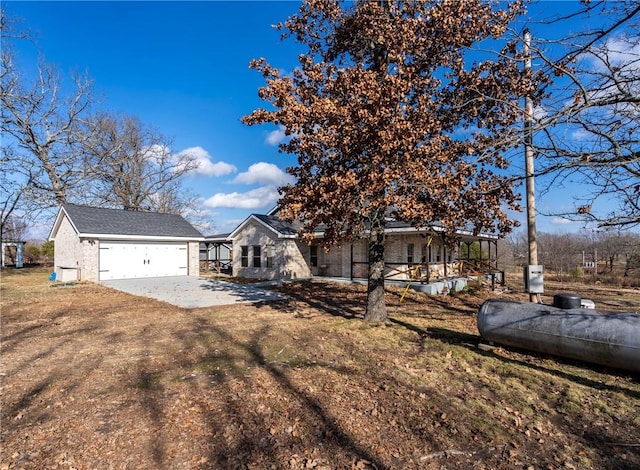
(266, 247)
(98, 244)
(12, 253)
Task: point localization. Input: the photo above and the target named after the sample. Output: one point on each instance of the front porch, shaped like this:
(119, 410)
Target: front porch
(436, 270)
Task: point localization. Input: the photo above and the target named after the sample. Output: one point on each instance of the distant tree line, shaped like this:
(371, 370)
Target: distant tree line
(577, 254)
(38, 253)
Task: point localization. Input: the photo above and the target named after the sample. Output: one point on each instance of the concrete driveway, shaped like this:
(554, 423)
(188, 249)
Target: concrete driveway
(194, 292)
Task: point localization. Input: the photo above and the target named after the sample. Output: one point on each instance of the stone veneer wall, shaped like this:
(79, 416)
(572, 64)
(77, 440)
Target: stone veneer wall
(194, 259)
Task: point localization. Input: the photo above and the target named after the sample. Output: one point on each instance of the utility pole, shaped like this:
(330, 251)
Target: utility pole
(529, 170)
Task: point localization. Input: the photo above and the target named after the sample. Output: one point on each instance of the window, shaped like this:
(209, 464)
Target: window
(270, 253)
(313, 255)
(256, 256)
(244, 257)
(410, 253)
(425, 254)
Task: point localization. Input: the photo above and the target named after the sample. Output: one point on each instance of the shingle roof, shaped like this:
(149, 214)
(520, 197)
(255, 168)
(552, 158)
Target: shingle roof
(96, 220)
(280, 226)
(286, 229)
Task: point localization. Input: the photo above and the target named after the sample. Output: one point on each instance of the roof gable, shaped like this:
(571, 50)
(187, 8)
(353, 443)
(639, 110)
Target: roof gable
(281, 228)
(98, 221)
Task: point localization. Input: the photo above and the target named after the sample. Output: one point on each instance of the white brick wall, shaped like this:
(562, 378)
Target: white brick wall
(91, 257)
(194, 259)
(67, 251)
(290, 260)
(293, 257)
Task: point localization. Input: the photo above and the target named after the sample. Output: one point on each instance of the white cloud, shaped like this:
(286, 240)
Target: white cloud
(157, 153)
(621, 52)
(206, 166)
(539, 113)
(264, 196)
(580, 135)
(277, 136)
(563, 221)
(227, 225)
(264, 173)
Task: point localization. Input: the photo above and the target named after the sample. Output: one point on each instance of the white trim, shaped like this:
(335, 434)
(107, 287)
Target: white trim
(116, 237)
(58, 221)
(239, 228)
(436, 228)
(216, 239)
(426, 230)
(233, 234)
(274, 211)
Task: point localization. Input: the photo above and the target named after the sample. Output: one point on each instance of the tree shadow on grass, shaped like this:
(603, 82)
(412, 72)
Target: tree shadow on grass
(599, 436)
(471, 342)
(258, 442)
(150, 389)
(346, 303)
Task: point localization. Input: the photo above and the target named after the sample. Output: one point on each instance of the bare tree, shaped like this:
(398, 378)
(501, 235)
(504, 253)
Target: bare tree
(589, 130)
(559, 252)
(40, 124)
(14, 228)
(44, 128)
(55, 151)
(613, 245)
(518, 244)
(132, 166)
(389, 117)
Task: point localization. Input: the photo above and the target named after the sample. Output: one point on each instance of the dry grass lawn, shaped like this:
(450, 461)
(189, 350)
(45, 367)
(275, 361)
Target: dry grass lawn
(93, 379)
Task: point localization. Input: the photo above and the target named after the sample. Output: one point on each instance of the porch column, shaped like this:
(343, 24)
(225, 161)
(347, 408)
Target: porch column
(428, 263)
(351, 261)
(444, 259)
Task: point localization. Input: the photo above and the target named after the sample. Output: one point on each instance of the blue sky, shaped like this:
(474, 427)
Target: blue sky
(182, 67)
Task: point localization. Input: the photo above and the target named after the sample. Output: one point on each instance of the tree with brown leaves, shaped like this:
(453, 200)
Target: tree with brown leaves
(390, 116)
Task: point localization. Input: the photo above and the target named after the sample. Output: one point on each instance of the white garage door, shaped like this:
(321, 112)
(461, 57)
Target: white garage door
(124, 260)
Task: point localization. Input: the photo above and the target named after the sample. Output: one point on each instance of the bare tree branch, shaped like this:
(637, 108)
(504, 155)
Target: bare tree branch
(133, 167)
(590, 129)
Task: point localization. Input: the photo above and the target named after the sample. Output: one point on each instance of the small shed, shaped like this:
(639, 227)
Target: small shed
(12, 253)
(98, 244)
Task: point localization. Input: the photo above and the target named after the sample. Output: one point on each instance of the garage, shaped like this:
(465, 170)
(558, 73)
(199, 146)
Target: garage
(125, 260)
(101, 244)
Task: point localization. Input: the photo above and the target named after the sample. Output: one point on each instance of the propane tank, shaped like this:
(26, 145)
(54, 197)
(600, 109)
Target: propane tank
(591, 335)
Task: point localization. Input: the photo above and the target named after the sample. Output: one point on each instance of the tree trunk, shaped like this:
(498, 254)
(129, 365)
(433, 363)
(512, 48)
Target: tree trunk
(376, 307)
